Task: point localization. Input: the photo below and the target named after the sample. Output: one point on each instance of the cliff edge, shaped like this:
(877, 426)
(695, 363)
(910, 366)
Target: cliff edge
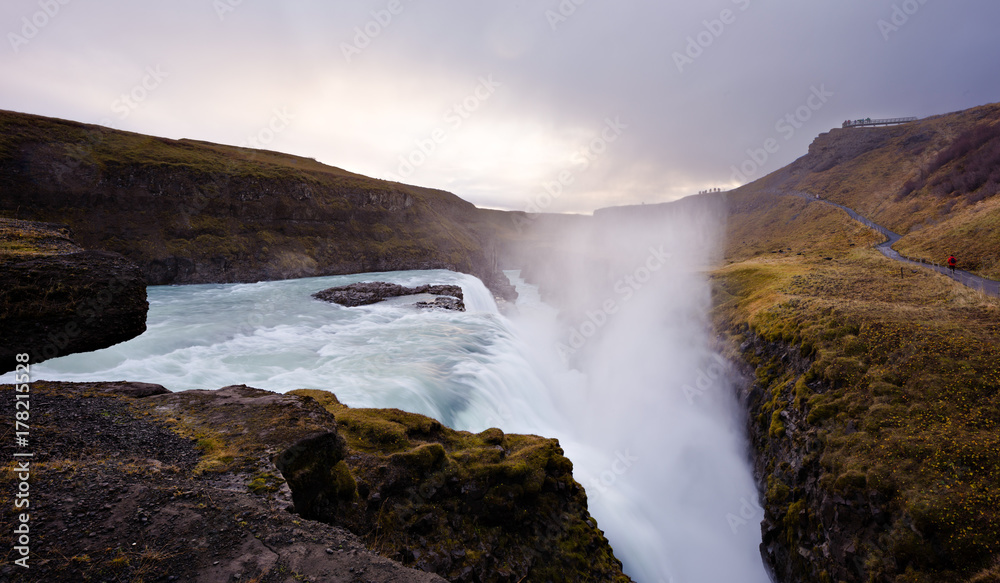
(872, 387)
(58, 298)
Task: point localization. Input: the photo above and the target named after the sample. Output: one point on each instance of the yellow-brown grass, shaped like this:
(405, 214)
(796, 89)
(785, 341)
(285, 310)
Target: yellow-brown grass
(913, 359)
(934, 181)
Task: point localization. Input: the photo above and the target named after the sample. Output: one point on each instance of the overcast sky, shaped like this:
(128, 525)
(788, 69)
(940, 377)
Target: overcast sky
(597, 102)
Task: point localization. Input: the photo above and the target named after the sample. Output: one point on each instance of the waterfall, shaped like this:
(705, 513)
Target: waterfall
(665, 474)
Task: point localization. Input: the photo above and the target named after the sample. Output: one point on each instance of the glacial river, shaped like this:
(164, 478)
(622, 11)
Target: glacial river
(651, 425)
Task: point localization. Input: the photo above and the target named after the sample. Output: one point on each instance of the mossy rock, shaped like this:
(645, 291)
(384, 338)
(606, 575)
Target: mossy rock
(487, 506)
(777, 427)
(845, 370)
(777, 492)
(265, 483)
(822, 407)
(851, 481)
(421, 459)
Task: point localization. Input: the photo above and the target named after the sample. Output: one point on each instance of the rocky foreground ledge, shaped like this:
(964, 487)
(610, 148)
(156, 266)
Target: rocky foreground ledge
(450, 297)
(130, 482)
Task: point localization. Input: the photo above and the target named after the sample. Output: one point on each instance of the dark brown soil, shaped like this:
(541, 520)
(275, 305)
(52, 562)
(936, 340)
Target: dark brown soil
(116, 494)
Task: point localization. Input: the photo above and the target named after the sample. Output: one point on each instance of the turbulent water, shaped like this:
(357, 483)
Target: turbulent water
(652, 427)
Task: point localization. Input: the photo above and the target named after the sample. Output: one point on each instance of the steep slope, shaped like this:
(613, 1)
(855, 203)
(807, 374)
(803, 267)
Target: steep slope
(873, 391)
(470, 507)
(194, 212)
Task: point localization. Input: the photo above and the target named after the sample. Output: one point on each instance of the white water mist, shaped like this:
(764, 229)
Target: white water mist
(654, 426)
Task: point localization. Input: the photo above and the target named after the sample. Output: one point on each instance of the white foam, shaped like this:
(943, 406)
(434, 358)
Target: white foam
(665, 515)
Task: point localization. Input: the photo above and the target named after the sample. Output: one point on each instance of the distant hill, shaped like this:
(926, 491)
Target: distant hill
(935, 181)
(194, 212)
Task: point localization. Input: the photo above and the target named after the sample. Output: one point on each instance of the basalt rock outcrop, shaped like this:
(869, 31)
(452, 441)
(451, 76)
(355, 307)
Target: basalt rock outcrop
(141, 484)
(58, 298)
(821, 524)
(371, 292)
(470, 507)
(813, 530)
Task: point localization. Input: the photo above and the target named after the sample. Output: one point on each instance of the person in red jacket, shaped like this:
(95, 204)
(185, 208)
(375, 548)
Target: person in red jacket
(951, 263)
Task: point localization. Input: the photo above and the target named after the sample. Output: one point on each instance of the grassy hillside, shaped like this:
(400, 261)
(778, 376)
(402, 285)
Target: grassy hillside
(192, 212)
(934, 181)
(895, 408)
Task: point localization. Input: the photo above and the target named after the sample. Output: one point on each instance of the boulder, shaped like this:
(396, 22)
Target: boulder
(372, 292)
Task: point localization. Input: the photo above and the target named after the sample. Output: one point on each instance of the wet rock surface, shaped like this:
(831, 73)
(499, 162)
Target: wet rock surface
(372, 292)
(810, 532)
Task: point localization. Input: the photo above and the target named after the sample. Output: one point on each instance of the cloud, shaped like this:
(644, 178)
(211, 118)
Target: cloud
(749, 63)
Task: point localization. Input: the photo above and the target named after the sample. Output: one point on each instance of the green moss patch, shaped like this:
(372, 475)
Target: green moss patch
(502, 506)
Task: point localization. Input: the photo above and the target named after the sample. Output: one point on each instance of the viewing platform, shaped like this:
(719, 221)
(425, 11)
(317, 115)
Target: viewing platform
(869, 122)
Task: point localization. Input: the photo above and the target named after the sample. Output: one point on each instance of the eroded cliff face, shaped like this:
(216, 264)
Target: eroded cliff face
(817, 527)
(58, 298)
(193, 212)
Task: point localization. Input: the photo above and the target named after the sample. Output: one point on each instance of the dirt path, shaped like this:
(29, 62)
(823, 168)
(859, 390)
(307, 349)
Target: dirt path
(987, 286)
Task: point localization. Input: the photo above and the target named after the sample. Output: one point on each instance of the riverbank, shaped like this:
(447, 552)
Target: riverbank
(186, 211)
